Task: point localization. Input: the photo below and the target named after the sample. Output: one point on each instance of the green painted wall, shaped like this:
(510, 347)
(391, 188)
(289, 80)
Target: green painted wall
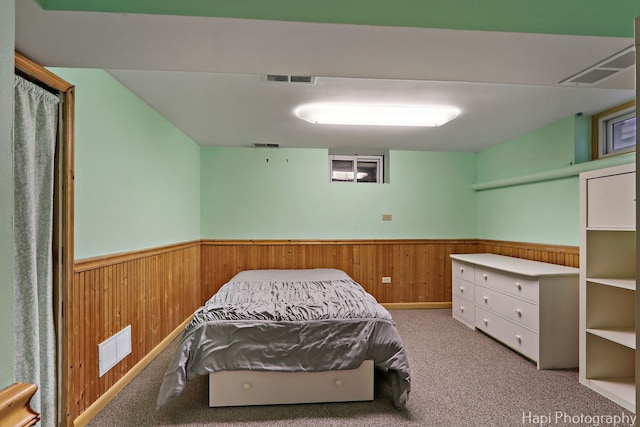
(549, 147)
(7, 12)
(545, 212)
(579, 17)
(137, 177)
(250, 193)
(141, 183)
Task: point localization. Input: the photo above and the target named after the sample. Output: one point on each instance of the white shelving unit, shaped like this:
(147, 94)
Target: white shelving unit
(608, 283)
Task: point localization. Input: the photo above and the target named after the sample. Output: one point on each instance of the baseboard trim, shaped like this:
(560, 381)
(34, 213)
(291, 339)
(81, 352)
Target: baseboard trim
(415, 305)
(83, 419)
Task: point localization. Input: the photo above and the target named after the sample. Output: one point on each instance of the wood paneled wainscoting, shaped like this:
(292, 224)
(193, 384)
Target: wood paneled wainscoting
(553, 254)
(154, 291)
(420, 270)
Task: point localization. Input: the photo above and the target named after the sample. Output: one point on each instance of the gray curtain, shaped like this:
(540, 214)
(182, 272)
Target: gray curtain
(34, 141)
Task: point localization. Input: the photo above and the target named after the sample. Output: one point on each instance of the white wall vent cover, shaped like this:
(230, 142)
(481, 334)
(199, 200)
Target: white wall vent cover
(604, 69)
(113, 350)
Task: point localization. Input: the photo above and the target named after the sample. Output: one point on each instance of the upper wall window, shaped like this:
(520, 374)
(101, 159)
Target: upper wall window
(356, 168)
(614, 131)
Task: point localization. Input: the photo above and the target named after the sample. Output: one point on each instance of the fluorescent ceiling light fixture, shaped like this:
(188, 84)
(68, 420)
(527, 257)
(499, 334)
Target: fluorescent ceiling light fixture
(376, 115)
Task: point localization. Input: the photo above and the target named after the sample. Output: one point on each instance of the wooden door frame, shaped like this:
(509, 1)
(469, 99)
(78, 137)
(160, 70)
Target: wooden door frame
(63, 257)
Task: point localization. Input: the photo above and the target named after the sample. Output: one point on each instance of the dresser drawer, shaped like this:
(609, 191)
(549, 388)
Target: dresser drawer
(463, 310)
(521, 286)
(462, 270)
(522, 312)
(462, 289)
(513, 335)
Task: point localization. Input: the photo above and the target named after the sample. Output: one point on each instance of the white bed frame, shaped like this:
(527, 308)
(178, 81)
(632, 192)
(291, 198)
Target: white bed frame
(243, 388)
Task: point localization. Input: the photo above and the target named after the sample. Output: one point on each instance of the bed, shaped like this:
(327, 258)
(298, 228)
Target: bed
(316, 329)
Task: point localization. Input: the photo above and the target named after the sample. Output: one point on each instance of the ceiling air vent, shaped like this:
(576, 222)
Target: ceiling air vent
(290, 79)
(603, 69)
(302, 79)
(264, 145)
(277, 78)
(621, 61)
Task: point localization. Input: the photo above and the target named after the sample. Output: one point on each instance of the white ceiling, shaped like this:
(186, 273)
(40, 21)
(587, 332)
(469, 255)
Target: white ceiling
(205, 75)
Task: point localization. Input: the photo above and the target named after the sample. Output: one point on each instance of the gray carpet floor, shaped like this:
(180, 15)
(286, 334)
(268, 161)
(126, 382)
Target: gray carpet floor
(459, 377)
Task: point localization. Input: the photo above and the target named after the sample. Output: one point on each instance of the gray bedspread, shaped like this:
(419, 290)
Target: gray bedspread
(288, 320)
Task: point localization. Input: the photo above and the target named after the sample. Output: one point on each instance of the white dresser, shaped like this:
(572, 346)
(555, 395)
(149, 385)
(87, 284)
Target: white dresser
(530, 306)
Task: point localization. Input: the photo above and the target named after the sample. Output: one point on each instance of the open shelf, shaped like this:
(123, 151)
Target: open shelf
(614, 229)
(621, 390)
(610, 309)
(622, 336)
(610, 254)
(628, 283)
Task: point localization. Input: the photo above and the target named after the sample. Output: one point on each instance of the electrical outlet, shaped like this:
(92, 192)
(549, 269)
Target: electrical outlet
(387, 217)
(386, 279)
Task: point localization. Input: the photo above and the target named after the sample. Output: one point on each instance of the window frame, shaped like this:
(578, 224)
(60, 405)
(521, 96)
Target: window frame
(355, 158)
(601, 126)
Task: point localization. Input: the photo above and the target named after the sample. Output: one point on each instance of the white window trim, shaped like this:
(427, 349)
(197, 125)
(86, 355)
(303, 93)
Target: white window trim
(604, 129)
(355, 158)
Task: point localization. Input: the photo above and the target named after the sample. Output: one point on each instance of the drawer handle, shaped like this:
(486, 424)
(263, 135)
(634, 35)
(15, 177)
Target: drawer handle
(339, 382)
(461, 309)
(246, 386)
(484, 276)
(461, 289)
(519, 338)
(461, 270)
(486, 321)
(486, 299)
(518, 286)
(519, 312)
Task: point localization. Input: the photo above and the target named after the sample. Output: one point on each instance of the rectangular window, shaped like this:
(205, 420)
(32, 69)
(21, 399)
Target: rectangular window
(616, 131)
(356, 168)
(621, 133)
